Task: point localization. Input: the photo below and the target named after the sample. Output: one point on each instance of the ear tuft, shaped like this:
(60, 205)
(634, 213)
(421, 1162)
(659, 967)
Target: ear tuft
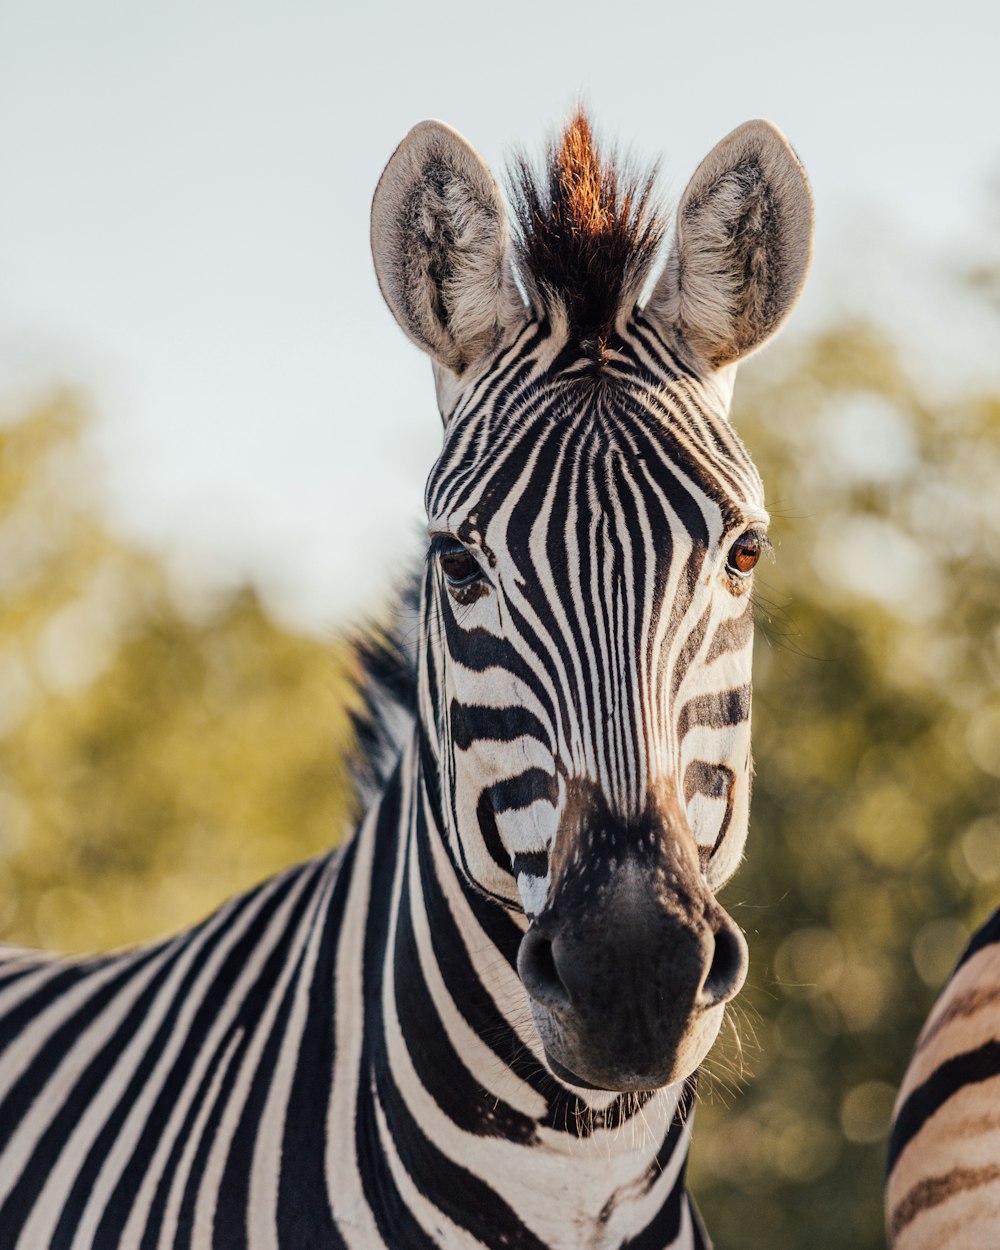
(742, 247)
(439, 241)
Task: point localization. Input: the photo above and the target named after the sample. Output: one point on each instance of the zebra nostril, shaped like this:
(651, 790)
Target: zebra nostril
(536, 966)
(728, 967)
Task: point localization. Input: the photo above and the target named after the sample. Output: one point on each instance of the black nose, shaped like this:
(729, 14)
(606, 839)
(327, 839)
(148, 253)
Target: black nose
(536, 966)
(727, 968)
(701, 965)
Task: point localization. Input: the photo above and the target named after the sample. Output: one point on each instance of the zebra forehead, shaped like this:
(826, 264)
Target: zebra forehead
(611, 454)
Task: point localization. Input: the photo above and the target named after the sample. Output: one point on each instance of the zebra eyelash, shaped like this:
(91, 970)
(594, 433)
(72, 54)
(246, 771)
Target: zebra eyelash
(766, 546)
(740, 578)
(443, 544)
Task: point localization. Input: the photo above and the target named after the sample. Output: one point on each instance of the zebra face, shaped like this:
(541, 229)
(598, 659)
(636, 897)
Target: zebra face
(587, 599)
(588, 589)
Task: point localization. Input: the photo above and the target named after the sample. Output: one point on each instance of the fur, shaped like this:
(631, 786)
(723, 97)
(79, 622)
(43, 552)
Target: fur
(742, 246)
(387, 691)
(586, 233)
(440, 245)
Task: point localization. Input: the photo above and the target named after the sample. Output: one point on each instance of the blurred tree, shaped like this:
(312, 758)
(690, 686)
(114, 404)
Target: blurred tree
(875, 842)
(150, 764)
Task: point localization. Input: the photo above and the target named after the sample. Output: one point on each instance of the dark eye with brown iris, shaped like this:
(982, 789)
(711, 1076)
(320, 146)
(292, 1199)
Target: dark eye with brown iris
(744, 554)
(458, 566)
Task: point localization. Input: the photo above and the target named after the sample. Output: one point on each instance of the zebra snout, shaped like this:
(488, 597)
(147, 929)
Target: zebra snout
(536, 966)
(628, 993)
(715, 962)
(727, 967)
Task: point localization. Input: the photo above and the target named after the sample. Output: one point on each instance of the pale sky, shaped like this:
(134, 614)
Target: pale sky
(184, 223)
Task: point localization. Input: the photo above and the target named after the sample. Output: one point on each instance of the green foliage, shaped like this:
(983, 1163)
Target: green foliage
(875, 837)
(151, 764)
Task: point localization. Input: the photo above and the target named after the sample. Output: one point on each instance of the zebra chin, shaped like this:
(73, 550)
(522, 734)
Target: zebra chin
(576, 1061)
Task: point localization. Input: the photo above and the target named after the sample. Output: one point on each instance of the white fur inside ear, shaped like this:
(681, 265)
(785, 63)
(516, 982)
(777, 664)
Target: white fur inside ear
(742, 246)
(440, 245)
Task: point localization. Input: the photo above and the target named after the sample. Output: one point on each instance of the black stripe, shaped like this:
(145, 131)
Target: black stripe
(439, 1069)
(395, 1222)
(988, 934)
(243, 1028)
(727, 707)
(107, 1236)
(664, 1227)
(87, 1086)
(234, 1186)
(732, 634)
(459, 1194)
(531, 863)
(473, 723)
(516, 793)
(100, 1149)
(304, 1215)
(53, 1050)
(949, 1078)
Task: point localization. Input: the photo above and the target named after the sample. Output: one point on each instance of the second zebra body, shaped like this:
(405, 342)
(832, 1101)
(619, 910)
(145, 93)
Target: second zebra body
(943, 1190)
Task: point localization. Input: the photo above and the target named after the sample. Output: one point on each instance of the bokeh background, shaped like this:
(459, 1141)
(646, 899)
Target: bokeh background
(213, 442)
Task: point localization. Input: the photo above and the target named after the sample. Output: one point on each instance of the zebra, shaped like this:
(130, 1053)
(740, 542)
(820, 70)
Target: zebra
(477, 1023)
(943, 1174)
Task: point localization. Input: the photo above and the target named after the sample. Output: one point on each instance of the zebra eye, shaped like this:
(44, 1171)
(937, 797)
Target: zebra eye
(458, 566)
(744, 554)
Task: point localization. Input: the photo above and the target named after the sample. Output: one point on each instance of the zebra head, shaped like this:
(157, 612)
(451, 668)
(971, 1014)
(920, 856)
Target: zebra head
(587, 598)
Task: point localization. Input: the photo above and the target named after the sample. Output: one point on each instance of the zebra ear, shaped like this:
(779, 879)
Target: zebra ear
(440, 244)
(742, 246)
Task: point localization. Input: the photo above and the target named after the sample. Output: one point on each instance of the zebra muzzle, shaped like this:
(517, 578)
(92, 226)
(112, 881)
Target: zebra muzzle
(627, 983)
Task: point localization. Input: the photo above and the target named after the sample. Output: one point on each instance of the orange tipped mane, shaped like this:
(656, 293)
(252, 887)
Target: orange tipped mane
(587, 233)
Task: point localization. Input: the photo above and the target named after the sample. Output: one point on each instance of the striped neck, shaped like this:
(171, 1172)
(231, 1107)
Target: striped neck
(469, 1140)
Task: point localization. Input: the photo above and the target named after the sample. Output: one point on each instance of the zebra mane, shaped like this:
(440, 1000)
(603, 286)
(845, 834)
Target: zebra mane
(387, 690)
(586, 232)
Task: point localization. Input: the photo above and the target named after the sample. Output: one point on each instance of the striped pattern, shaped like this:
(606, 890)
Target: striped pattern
(351, 1037)
(943, 1188)
(475, 1025)
(609, 516)
(262, 1081)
